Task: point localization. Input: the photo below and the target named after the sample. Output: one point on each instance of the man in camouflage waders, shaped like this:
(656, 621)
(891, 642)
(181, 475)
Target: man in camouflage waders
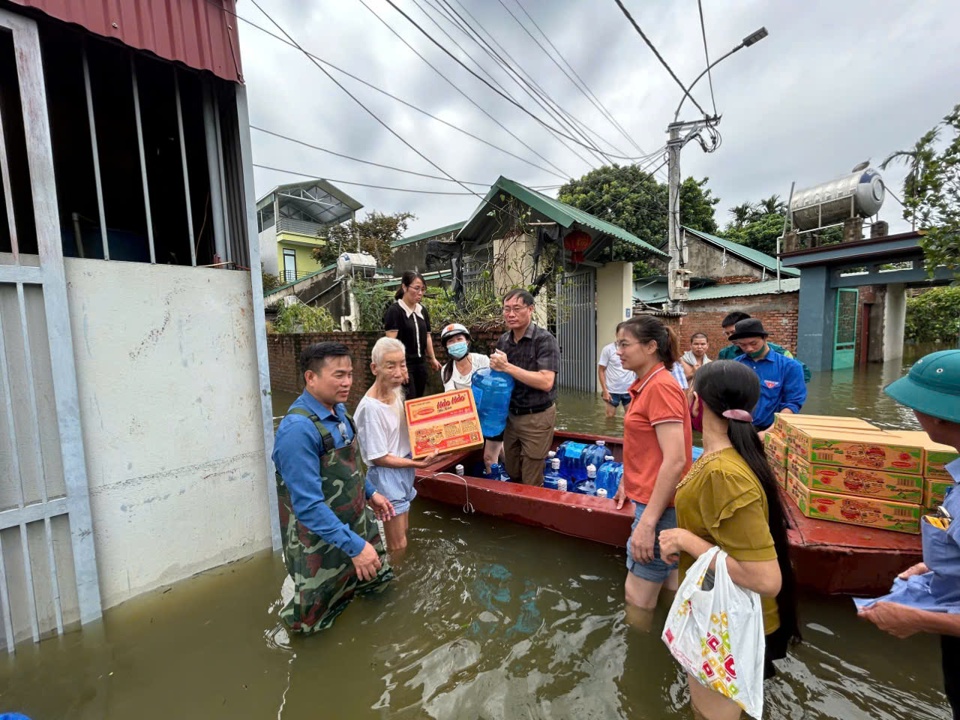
(331, 542)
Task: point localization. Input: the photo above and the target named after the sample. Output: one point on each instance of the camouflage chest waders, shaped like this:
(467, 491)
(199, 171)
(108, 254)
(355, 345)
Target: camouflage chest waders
(324, 577)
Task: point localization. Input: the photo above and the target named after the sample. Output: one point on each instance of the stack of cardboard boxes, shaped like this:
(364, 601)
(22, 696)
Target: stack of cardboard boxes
(847, 470)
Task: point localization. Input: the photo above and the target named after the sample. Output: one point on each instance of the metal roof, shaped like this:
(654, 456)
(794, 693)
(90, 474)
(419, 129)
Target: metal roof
(564, 215)
(455, 227)
(318, 200)
(719, 292)
(201, 34)
(749, 254)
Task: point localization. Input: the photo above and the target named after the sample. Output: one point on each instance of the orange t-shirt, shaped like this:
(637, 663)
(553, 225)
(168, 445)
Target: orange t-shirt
(655, 398)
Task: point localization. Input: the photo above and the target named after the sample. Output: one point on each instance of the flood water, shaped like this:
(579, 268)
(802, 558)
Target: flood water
(486, 619)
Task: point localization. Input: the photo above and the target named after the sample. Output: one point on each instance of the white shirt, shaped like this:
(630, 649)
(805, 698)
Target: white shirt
(381, 429)
(618, 379)
(461, 382)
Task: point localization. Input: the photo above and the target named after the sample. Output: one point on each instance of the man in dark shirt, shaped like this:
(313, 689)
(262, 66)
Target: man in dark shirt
(531, 356)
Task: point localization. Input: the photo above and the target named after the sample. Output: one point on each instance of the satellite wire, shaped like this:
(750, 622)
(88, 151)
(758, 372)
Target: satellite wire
(360, 184)
(706, 55)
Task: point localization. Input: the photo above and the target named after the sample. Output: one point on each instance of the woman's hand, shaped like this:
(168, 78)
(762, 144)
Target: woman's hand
(620, 496)
(671, 544)
(642, 542)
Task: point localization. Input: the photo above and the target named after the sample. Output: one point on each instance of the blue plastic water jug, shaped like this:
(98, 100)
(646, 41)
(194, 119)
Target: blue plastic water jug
(497, 473)
(547, 464)
(609, 476)
(491, 392)
(571, 465)
(588, 486)
(594, 455)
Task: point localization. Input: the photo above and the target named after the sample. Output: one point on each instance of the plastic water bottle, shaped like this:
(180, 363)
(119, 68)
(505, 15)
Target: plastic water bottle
(594, 455)
(491, 392)
(458, 470)
(546, 463)
(562, 484)
(601, 492)
(551, 479)
(497, 473)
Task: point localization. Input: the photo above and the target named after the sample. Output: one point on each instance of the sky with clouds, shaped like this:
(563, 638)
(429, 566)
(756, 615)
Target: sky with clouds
(834, 84)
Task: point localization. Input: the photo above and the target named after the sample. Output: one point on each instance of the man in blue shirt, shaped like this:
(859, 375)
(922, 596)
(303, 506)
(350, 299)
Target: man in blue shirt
(733, 351)
(328, 511)
(782, 389)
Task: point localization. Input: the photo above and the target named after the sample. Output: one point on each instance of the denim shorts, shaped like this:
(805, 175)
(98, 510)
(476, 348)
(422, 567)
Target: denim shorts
(656, 570)
(618, 399)
(395, 484)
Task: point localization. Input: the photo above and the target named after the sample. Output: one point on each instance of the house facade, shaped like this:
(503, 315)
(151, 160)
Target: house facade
(291, 219)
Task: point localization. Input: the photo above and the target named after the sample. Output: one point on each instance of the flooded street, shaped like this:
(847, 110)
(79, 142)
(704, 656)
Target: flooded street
(486, 619)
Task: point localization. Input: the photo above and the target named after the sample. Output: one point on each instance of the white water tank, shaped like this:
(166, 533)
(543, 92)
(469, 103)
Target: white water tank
(356, 265)
(857, 194)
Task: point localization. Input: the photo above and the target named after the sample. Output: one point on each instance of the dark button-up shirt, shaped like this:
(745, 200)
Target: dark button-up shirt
(537, 350)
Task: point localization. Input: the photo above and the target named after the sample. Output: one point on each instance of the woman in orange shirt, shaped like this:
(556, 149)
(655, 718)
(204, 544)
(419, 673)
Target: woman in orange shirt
(657, 440)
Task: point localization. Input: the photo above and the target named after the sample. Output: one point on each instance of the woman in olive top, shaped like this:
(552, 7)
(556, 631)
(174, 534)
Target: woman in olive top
(730, 499)
(409, 322)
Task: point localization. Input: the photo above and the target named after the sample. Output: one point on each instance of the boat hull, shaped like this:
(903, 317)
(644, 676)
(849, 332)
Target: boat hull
(829, 558)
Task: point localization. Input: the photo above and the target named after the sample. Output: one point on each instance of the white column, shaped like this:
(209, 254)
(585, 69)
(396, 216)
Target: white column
(894, 318)
(614, 300)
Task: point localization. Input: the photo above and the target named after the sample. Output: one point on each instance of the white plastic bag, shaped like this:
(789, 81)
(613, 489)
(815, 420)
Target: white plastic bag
(717, 635)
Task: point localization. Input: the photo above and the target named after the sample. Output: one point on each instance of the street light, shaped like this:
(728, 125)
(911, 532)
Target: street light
(677, 283)
(751, 39)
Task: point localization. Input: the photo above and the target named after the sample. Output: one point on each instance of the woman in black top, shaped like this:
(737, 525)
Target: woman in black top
(408, 321)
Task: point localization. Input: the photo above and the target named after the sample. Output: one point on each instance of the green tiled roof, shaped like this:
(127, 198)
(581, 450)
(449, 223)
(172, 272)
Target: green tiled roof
(719, 292)
(429, 234)
(559, 212)
(749, 254)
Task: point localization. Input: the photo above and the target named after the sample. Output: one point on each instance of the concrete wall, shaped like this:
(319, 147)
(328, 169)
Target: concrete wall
(172, 426)
(614, 300)
(894, 319)
(710, 261)
(268, 250)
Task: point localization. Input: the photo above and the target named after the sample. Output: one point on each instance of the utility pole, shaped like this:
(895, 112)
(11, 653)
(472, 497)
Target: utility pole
(678, 277)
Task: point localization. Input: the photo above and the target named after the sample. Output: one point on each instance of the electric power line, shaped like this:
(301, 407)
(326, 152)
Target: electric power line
(459, 89)
(377, 89)
(657, 53)
(586, 88)
(360, 184)
(359, 160)
(706, 55)
(506, 97)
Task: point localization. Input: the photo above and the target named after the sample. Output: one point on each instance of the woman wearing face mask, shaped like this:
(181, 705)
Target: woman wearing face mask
(457, 374)
(730, 499)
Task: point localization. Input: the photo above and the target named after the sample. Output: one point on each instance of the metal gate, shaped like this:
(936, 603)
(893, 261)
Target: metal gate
(845, 332)
(577, 330)
(48, 572)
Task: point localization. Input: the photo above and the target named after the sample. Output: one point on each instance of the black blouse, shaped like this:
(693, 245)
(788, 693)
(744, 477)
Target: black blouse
(411, 330)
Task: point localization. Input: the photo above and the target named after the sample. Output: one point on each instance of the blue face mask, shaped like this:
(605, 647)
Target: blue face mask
(457, 350)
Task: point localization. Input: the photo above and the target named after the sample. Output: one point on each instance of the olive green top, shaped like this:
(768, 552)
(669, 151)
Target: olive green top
(721, 500)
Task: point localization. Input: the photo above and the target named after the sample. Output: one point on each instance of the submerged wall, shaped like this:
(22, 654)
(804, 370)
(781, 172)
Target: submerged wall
(170, 412)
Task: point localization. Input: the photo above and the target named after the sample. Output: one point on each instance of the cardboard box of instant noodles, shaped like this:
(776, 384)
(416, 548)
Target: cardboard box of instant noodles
(853, 510)
(854, 448)
(444, 422)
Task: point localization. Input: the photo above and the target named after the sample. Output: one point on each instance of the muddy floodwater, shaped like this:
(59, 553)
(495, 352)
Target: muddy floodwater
(486, 619)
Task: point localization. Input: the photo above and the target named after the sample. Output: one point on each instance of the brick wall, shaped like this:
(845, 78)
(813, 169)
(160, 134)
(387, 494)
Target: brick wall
(284, 354)
(778, 313)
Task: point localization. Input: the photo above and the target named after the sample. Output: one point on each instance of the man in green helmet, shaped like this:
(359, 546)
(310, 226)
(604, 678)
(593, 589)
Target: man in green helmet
(930, 599)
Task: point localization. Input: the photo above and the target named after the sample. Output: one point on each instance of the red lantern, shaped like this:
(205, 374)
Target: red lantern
(576, 242)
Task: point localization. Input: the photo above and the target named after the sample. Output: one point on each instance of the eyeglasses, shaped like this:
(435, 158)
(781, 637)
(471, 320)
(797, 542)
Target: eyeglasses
(417, 288)
(513, 309)
(623, 344)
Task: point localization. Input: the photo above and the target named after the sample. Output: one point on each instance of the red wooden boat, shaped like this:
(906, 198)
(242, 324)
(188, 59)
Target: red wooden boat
(830, 558)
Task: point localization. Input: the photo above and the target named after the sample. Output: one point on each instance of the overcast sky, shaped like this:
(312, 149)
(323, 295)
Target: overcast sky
(834, 84)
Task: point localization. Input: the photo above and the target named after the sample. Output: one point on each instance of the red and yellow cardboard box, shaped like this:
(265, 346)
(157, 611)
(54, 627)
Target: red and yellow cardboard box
(444, 422)
(882, 484)
(854, 510)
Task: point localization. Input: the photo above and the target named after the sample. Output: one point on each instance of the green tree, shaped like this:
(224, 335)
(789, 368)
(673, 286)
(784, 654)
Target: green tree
(760, 233)
(298, 317)
(372, 235)
(742, 214)
(931, 191)
(934, 316)
(634, 200)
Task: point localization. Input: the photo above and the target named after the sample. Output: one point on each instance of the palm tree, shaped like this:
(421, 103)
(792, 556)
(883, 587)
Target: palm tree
(741, 214)
(772, 205)
(914, 160)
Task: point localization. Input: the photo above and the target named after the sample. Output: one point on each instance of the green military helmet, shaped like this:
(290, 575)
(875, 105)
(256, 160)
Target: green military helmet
(932, 386)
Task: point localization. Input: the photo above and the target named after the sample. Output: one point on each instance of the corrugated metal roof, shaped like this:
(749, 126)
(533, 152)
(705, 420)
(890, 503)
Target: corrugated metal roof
(564, 215)
(201, 34)
(749, 254)
(429, 234)
(719, 292)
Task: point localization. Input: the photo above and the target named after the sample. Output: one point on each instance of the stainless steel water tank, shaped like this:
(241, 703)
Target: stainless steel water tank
(857, 194)
(357, 264)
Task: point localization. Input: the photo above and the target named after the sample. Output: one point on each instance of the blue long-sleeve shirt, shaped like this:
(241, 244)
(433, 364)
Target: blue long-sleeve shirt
(296, 453)
(781, 386)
